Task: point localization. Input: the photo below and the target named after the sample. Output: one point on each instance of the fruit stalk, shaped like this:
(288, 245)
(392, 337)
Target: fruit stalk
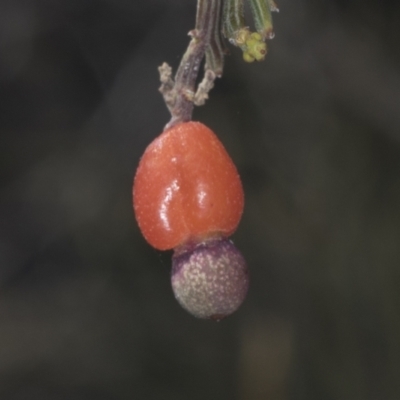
(180, 94)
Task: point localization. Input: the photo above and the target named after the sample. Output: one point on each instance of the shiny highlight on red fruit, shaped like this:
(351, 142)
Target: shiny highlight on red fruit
(210, 279)
(186, 188)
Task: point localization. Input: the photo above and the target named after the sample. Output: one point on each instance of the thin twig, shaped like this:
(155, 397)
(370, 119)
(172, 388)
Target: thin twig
(180, 95)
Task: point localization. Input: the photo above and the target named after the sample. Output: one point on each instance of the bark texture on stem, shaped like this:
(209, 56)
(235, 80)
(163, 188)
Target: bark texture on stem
(214, 19)
(180, 94)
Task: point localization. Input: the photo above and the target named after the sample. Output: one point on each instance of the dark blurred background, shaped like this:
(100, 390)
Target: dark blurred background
(86, 309)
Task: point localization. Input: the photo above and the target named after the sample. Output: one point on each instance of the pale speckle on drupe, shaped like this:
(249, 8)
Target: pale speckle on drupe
(210, 279)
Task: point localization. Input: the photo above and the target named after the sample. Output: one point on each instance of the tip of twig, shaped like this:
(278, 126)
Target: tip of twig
(204, 87)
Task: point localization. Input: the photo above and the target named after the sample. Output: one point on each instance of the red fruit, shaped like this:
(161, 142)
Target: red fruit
(186, 188)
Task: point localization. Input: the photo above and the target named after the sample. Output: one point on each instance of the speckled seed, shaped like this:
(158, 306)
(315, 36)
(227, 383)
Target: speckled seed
(210, 279)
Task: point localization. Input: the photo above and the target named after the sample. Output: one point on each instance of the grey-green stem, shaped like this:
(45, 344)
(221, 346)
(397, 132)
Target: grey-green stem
(180, 94)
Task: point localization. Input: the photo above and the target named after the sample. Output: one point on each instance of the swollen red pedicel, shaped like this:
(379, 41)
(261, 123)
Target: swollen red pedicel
(186, 188)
